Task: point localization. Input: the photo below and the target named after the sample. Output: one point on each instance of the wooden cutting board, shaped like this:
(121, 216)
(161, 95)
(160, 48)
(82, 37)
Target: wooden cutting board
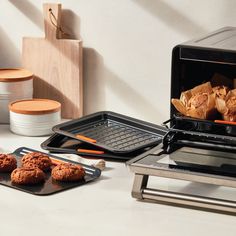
(56, 64)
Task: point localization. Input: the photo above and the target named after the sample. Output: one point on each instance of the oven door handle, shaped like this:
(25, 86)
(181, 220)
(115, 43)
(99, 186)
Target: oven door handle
(141, 192)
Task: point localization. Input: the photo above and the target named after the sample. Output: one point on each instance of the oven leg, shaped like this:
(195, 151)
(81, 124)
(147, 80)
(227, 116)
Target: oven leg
(189, 200)
(140, 183)
(141, 192)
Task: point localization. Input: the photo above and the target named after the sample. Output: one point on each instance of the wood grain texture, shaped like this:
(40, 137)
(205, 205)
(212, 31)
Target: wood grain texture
(57, 65)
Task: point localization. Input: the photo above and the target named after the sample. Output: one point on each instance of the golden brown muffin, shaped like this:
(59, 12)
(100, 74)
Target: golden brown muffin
(7, 163)
(220, 91)
(68, 172)
(27, 176)
(36, 159)
(227, 106)
(198, 102)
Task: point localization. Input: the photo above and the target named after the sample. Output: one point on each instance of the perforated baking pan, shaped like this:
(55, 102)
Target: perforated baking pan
(112, 132)
(50, 186)
(58, 143)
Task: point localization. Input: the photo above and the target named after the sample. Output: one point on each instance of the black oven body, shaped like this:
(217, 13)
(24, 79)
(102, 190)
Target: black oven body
(194, 63)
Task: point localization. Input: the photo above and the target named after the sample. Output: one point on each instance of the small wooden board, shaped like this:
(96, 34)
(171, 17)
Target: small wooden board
(56, 64)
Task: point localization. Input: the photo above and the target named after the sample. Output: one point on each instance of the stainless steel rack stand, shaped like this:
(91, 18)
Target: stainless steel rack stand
(142, 192)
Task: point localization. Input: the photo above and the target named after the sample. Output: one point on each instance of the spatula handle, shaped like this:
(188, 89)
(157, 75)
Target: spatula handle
(52, 20)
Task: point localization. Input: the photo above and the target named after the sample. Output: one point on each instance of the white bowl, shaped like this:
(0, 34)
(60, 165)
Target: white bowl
(15, 84)
(34, 117)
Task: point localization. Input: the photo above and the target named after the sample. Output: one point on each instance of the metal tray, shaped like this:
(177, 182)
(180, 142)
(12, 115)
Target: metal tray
(50, 186)
(58, 143)
(205, 126)
(113, 132)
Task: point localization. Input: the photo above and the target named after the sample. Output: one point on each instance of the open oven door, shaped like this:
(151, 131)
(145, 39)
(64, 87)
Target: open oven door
(181, 156)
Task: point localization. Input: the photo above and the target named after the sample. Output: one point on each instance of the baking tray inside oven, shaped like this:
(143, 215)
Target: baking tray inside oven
(200, 133)
(58, 143)
(50, 186)
(113, 132)
(204, 126)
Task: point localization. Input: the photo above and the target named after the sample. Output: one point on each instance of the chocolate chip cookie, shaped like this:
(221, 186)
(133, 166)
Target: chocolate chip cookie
(7, 163)
(68, 172)
(36, 159)
(27, 176)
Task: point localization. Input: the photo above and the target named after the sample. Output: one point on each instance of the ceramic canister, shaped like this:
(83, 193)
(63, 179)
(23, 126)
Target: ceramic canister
(15, 84)
(34, 117)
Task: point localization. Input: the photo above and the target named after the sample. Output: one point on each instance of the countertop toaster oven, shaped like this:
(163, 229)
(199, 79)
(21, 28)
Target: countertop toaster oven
(192, 149)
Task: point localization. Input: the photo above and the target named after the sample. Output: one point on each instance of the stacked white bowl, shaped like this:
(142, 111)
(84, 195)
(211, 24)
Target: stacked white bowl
(15, 84)
(34, 117)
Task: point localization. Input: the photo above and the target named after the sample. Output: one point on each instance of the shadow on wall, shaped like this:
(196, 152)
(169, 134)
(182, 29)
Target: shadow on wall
(30, 11)
(70, 23)
(172, 17)
(93, 81)
(98, 78)
(10, 55)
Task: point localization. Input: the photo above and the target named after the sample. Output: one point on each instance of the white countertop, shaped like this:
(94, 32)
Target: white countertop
(104, 207)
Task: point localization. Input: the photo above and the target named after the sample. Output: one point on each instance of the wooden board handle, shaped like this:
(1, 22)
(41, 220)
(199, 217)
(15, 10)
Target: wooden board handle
(52, 20)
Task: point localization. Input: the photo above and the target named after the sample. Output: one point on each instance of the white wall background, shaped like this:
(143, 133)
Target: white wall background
(127, 45)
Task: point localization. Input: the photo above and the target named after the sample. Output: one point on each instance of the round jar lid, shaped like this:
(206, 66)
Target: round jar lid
(15, 75)
(35, 106)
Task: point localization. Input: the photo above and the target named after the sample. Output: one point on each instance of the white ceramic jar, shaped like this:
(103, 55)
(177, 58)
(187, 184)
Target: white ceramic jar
(34, 117)
(15, 84)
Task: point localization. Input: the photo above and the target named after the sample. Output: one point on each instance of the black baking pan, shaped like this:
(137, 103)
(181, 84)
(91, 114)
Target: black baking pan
(112, 132)
(58, 143)
(50, 186)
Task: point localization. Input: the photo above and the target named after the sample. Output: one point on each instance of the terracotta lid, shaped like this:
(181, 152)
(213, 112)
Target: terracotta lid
(35, 106)
(15, 75)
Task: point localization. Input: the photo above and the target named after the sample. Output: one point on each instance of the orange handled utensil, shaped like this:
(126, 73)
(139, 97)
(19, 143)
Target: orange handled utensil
(82, 137)
(90, 151)
(225, 122)
(56, 161)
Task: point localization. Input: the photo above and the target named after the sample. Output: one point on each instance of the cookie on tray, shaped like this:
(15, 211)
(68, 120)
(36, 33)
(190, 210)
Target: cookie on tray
(36, 159)
(7, 163)
(68, 172)
(27, 176)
